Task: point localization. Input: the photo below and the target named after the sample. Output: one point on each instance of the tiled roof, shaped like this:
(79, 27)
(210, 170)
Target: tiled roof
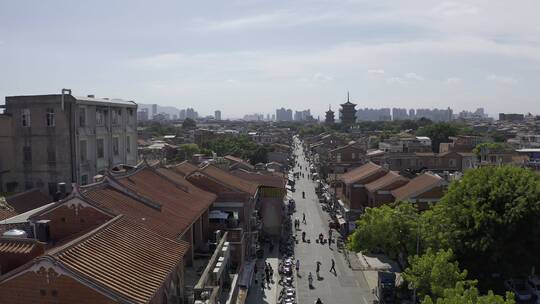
(6, 211)
(267, 180)
(389, 181)
(123, 257)
(175, 208)
(238, 160)
(184, 168)
(28, 200)
(361, 172)
(417, 185)
(17, 245)
(229, 179)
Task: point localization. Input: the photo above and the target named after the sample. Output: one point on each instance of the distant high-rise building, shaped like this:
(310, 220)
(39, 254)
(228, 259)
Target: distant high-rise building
(368, 114)
(217, 115)
(182, 115)
(273, 117)
(348, 112)
(142, 115)
(284, 114)
(412, 114)
(191, 113)
(329, 119)
(154, 110)
(399, 114)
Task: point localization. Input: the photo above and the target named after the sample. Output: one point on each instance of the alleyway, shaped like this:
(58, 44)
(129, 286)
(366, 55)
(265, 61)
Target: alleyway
(346, 286)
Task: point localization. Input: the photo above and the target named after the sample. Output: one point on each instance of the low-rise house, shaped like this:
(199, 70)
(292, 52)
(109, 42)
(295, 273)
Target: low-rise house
(379, 190)
(423, 189)
(345, 158)
(238, 163)
(354, 192)
(125, 239)
(532, 159)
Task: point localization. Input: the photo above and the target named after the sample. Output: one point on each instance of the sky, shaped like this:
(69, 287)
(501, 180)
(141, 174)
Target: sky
(247, 56)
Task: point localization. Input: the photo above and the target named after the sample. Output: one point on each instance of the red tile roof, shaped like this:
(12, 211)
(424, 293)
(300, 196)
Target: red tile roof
(229, 179)
(123, 257)
(418, 185)
(158, 202)
(362, 172)
(390, 181)
(237, 160)
(18, 245)
(267, 180)
(6, 212)
(184, 168)
(28, 200)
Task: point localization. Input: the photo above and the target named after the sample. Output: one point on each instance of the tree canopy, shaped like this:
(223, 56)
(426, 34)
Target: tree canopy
(487, 219)
(240, 146)
(189, 124)
(433, 272)
(462, 294)
(440, 133)
(391, 228)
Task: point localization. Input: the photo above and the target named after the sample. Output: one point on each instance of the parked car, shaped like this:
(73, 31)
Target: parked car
(519, 288)
(533, 283)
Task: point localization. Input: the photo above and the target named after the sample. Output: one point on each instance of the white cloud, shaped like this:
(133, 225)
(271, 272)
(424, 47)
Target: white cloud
(413, 76)
(322, 77)
(376, 71)
(502, 79)
(455, 9)
(396, 80)
(453, 80)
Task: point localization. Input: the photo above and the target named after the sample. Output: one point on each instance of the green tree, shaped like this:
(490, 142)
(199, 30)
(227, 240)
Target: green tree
(433, 272)
(487, 219)
(392, 228)
(189, 150)
(463, 294)
(440, 133)
(189, 124)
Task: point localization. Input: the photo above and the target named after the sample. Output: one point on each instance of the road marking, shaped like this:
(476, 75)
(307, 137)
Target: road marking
(365, 301)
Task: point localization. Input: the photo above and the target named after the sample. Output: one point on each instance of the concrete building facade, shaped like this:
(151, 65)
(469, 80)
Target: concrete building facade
(64, 138)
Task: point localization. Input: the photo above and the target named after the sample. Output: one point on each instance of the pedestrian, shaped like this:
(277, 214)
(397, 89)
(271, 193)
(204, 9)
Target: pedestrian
(318, 267)
(271, 272)
(304, 218)
(329, 241)
(268, 279)
(255, 272)
(297, 266)
(262, 281)
(303, 236)
(333, 268)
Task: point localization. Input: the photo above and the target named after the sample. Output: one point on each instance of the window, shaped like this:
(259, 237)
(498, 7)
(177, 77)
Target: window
(116, 116)
(63, 219)
(353, 156)
(50, 117)
(82, 117)
(100, 148)
(115, 146)
(452, 163)
(54, 292)
(83, 150)
(25, 116)
(53, 188)
(84, 179)
(338, 157)
(128, 144)
(130, 112)
(27, 154)
(43, 292)
(100, 117)
(51, 155)
(28, 185)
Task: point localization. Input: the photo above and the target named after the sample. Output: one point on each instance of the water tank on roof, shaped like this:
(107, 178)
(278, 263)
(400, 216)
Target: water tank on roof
(15, 233)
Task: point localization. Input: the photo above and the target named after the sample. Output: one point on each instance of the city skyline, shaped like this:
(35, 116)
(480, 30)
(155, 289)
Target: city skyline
(301, 54)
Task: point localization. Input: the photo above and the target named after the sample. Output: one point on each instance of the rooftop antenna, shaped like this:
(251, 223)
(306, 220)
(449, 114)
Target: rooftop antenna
(348, 96)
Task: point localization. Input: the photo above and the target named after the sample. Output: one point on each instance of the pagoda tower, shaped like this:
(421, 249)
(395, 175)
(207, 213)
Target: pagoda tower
(329, 116)
(348, 112)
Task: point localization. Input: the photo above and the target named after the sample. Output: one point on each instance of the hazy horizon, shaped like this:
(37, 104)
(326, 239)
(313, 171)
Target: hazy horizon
(247, 56)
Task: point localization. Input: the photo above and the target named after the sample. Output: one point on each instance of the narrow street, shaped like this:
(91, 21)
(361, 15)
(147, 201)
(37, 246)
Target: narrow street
(346, 286)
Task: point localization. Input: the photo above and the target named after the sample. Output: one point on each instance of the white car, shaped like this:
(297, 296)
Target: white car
(533, 283)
